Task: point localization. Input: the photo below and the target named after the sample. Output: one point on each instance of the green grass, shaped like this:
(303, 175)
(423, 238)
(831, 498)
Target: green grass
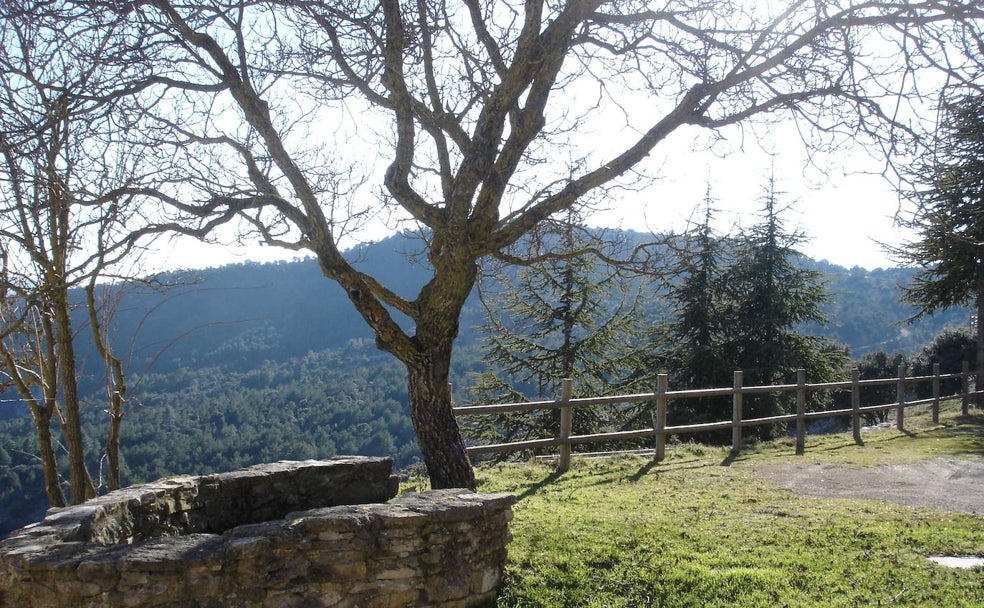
(702, 529)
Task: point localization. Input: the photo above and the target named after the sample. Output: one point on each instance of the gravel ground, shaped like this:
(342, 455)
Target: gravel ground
(947, 483)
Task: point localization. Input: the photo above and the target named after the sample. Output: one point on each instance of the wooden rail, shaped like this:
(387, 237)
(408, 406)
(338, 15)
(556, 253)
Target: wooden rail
(662, 397)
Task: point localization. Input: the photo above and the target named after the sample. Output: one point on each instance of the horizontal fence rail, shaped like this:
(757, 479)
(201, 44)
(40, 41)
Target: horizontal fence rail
(662, 398)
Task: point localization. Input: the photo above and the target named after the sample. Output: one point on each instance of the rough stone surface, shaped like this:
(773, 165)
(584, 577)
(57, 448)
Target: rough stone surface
(287, 534)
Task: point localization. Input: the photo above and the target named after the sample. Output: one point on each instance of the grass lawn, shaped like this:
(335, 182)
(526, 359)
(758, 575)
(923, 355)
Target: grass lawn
(701, 529)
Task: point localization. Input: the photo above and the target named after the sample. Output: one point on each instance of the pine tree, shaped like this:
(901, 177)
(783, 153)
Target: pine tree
(949, 218)
(695, 357)
(564, 315)
(769, 296)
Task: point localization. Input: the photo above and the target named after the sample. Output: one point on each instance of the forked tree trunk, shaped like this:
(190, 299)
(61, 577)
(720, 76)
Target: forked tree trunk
(437, 429)
(82, 487)
(42, 407)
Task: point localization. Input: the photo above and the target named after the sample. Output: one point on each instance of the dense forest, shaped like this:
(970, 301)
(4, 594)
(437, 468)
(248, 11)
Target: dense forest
(260, 362)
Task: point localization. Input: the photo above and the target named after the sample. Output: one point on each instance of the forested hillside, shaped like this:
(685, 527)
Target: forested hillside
(236, 316)
(260, 362)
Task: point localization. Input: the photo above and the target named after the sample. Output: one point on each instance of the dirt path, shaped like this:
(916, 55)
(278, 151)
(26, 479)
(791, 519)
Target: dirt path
(942, 483)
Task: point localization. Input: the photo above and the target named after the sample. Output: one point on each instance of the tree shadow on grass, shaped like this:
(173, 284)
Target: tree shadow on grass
(968, 433)
(652, 466)
(644, 470)
(533, 489)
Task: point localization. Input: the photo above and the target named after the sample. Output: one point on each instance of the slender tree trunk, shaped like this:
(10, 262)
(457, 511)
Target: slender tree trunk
(979, 377)
(49, 463)
(113, 443)
(437, 429)
(42, 410)
(115, 386)
(82, 487)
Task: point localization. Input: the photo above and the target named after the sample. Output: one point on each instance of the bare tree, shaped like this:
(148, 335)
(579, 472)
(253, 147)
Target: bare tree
(63, 223)
(274, 113)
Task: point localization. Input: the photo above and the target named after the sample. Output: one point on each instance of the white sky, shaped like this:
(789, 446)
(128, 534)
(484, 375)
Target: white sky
(840, 202)
(844, 214)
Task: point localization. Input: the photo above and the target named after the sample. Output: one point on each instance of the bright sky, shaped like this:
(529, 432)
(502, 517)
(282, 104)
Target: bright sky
(844, 214)
(841, 203)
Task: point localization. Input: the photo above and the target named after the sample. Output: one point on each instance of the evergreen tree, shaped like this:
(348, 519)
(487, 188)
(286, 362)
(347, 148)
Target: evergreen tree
(564, 315)
(950, 348)
(695, 357)
(949, 218)
(769, 295)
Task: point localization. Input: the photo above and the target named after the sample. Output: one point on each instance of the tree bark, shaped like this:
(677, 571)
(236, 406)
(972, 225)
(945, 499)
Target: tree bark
(115, 387)
(437, 429)
(49, 463)
(979, 376)
(80, 481)
(113, 442)
(42, 409)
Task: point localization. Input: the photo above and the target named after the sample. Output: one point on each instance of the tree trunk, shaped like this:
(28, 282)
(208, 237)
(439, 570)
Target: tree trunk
(49, 463)
(979, 376)
(115, 387)
(437, 429)
(113, 444)
(82, 487)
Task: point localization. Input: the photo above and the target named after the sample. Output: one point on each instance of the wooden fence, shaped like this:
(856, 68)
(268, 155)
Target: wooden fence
(662, 397)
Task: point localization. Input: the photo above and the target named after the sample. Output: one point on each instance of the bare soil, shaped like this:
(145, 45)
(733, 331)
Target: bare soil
(947, 483)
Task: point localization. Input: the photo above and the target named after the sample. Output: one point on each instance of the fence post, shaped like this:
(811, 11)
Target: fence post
(566, 423)
(736, 413)
(662, 380)
(800, 411)
(900, 395)
(936, 393)
(965, 388)
(856, 406)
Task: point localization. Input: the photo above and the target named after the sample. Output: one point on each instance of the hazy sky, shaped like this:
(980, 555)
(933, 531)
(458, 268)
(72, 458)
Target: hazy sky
(840, 203)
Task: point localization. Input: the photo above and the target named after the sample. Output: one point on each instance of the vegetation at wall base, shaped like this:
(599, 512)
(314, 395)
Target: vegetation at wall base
(701, 529)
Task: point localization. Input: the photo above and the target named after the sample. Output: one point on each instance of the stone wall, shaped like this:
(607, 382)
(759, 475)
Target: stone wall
(304, 534)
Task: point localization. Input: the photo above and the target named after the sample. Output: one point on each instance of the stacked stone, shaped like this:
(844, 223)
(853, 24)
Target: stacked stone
(439, 548)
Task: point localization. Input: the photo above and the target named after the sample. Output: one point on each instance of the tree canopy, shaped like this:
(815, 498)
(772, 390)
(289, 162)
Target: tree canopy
(565, 315)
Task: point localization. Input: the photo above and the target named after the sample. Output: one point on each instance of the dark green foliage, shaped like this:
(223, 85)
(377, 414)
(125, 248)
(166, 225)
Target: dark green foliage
(742, 304)
(770, 295)
(239, 315)
(866, 311)
(235, 340)
(948, 219)
(197, 421)
(951, 348)
(694, 351)
(563, 315)
(872, 366)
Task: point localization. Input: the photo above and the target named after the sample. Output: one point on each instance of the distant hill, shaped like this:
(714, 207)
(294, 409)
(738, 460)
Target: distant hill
(237, 316)
(257, 362)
